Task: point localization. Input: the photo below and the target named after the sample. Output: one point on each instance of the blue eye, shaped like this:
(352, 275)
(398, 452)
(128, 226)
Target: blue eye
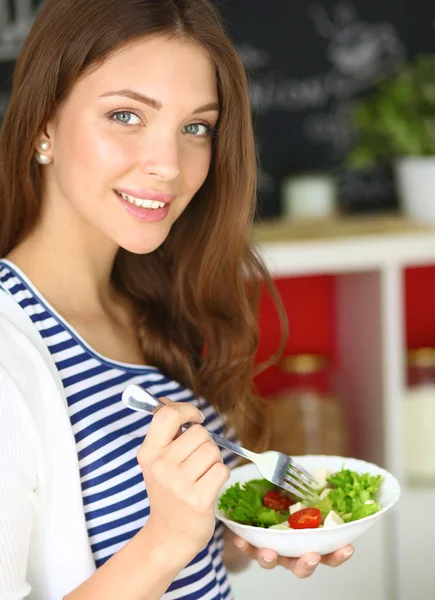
(198, 129)
(126, 117)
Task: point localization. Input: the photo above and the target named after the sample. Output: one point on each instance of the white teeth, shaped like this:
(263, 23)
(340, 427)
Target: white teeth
(153, 204)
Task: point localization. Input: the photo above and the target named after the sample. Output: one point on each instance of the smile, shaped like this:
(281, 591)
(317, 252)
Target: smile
(153, 204)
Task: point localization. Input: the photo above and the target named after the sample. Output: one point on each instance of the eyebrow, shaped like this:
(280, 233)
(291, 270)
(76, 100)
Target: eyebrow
(211, 106)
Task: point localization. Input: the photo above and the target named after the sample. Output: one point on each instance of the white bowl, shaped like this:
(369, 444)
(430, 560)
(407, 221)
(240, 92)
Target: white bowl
(296, 542)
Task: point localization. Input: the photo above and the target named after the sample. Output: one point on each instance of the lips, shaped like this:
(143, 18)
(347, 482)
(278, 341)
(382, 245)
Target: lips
(152, 204)
(144, 213)
(143, 194)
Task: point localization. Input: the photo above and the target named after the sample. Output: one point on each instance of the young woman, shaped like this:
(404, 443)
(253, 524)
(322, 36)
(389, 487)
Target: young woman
(127, 192)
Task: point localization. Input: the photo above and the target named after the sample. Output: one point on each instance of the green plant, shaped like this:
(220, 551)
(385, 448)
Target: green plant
(398, 117)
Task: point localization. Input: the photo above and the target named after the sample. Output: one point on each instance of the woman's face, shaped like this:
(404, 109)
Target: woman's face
(132, 143)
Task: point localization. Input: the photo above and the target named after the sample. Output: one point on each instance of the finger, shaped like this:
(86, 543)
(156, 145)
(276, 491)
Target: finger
(337, 558)
(200, 461)
(187, 443)
(167, 421)
(267, 559)
(240, 543)
(301, 567)
(245, 547)
(166, 400)
(212, 481)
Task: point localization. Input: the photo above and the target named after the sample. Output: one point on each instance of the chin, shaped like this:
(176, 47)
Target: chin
(141, 246)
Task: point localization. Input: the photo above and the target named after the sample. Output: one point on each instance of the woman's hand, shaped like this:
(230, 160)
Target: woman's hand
(301, 567)
(183, 475)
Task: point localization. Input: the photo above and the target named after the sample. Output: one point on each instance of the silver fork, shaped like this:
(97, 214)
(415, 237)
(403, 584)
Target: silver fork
(274, 466)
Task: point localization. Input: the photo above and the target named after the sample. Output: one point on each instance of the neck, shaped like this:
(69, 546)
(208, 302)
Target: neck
(69, 261)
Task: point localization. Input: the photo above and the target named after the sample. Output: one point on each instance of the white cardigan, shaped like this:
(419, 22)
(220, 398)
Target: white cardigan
(44, 546)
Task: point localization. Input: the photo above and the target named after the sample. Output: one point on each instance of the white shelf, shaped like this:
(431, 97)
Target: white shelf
(286, 258)
(368, 256)
(415, 539)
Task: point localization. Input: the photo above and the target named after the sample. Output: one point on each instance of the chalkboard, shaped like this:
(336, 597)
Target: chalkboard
(308, 63)
(16, 17)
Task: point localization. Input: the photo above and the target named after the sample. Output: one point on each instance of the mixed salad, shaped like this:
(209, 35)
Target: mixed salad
(340, 497)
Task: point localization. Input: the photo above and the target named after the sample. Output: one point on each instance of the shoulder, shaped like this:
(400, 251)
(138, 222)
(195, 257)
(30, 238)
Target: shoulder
(10, 311)
(20, 391)
(21, 346)
(16, 368)
(25, 369)
(15, 333)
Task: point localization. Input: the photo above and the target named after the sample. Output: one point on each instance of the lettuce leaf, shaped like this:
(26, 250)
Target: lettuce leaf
(244, 504)
(363, 511)
(350, 493)
(268, 517)
(325, 506)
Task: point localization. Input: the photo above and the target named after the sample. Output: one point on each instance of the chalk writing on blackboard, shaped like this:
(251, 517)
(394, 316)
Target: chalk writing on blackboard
(332, 128)
(360, 55)
(16, 18)
(253, 58)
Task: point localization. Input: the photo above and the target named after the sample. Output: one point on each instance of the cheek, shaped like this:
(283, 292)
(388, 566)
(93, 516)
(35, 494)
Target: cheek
(86, 151)
(196, 168)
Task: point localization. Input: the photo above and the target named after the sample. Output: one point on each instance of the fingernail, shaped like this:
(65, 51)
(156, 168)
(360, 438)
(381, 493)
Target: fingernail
(241, 544)
(348, 554)
(312, 564)
(202, 416)
(268, 557)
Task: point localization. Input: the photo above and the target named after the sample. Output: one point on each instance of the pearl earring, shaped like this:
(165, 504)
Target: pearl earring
(43, 159)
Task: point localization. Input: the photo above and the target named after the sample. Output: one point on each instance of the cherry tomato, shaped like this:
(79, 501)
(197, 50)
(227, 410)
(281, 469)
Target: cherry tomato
(277, 501)
(306, 518)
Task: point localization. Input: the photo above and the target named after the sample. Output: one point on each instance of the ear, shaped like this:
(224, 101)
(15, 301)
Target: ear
(50, 131)
(45, 143)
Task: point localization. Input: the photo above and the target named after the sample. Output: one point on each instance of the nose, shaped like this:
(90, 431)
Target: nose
(161, 157)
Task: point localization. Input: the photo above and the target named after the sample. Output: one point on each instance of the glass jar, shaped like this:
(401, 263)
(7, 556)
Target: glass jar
(309, 195)
(419, 417)
(306, 414)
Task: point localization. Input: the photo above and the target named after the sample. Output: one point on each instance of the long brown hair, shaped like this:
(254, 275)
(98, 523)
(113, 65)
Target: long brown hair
(197, 295)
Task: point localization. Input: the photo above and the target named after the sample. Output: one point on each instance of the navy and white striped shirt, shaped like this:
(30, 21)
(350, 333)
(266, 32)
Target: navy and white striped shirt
(108, 436)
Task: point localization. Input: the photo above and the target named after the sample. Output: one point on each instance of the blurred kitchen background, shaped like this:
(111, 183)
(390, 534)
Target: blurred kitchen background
(343, 100)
